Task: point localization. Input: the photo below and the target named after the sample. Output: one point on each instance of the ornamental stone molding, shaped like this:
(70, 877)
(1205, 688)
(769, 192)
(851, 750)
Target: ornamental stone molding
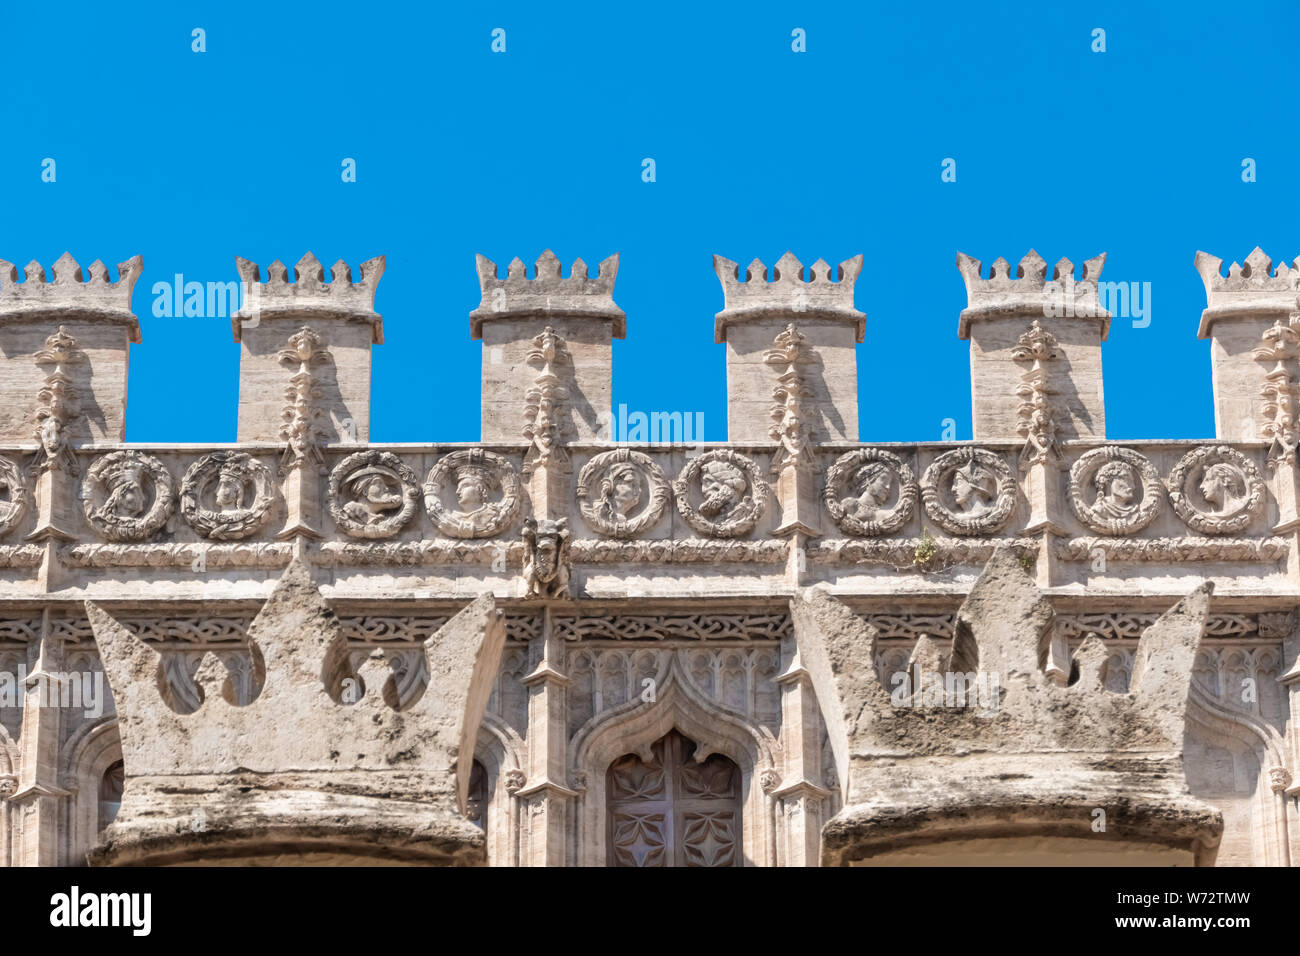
(304, 652)
(732, 494)
(227, 495)
(472, 494)
(373, 494)
(127, 496)
(969, 491)
(622, 493)
(1216, 489)
(870, 492)
(1115, 490)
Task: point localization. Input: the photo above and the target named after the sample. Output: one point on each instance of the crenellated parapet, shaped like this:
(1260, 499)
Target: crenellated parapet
(506, 632)
(276, 321)
(758, 307)
(1250, 317)
(547, 338)
(93, 314)
(1055, 327)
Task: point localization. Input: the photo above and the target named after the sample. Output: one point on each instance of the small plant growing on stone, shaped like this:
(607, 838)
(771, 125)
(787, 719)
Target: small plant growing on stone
(925, 551)
(1027, 562)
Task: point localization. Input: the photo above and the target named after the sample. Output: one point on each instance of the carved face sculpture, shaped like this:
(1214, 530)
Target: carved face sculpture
(472, 488)
(1117, 490)
(546, 551)
(372, 497)
(1223, 488)
(723, 485)
(51, 435)
(230, 491)
(127, 499)
(973, 488)
(873, 482)
(620, 491)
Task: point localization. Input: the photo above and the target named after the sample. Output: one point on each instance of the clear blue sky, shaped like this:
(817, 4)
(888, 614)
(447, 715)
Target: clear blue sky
(191, 159)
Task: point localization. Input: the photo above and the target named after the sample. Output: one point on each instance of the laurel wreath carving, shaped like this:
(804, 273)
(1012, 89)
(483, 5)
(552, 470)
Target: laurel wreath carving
(594, 471)
(743, 517)
(1081, 476)
(347, 469)
(456, 524)
(226, 525)
(13, 510)
(837, 479)
(1191, 466)
(95, 491)
(939, 475)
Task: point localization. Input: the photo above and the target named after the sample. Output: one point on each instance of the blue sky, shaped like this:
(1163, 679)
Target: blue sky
(191, 159)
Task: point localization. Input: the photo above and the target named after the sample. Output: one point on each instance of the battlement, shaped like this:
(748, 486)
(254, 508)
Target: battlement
(787, 293)
(1030, 292)
(1251, 289)
(338, 648)
(579, 294)
(309, 294)
(70, 293)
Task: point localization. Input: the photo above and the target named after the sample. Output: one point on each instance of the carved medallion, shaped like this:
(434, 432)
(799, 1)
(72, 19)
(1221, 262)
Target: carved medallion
(734, 494)
(127, 496)
(13, 496)
(1216, 490)
(373, 494)
(622, 493)
(226, 495)
(859, 488)
(1115, 490)
(969, 491)
(485, 489)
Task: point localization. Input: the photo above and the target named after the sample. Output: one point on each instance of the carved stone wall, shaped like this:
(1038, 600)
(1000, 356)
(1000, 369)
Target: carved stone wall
(655, 598)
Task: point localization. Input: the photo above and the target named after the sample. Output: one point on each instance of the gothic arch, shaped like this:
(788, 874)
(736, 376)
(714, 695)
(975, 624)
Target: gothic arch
(8, 753)
(88, 754)
(634, 728)
(1257, 736)
(499, 749)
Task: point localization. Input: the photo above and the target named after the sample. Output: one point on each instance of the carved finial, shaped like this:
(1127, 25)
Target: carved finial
(305, 353)
(546, 421)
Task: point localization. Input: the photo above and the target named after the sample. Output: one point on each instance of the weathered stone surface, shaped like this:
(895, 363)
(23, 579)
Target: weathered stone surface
(1024, 758)
(660, 623)
(307, 762)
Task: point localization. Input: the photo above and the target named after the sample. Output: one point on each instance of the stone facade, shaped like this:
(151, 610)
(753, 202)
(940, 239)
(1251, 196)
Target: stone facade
(546, 648)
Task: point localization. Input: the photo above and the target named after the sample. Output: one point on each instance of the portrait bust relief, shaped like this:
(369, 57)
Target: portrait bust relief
(969, 491)
(733, 495)
(1115, 490)
(372, 494)
(1216, 489)
(622, 493)
(472, 493)
(870, 492)
(226, 495)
